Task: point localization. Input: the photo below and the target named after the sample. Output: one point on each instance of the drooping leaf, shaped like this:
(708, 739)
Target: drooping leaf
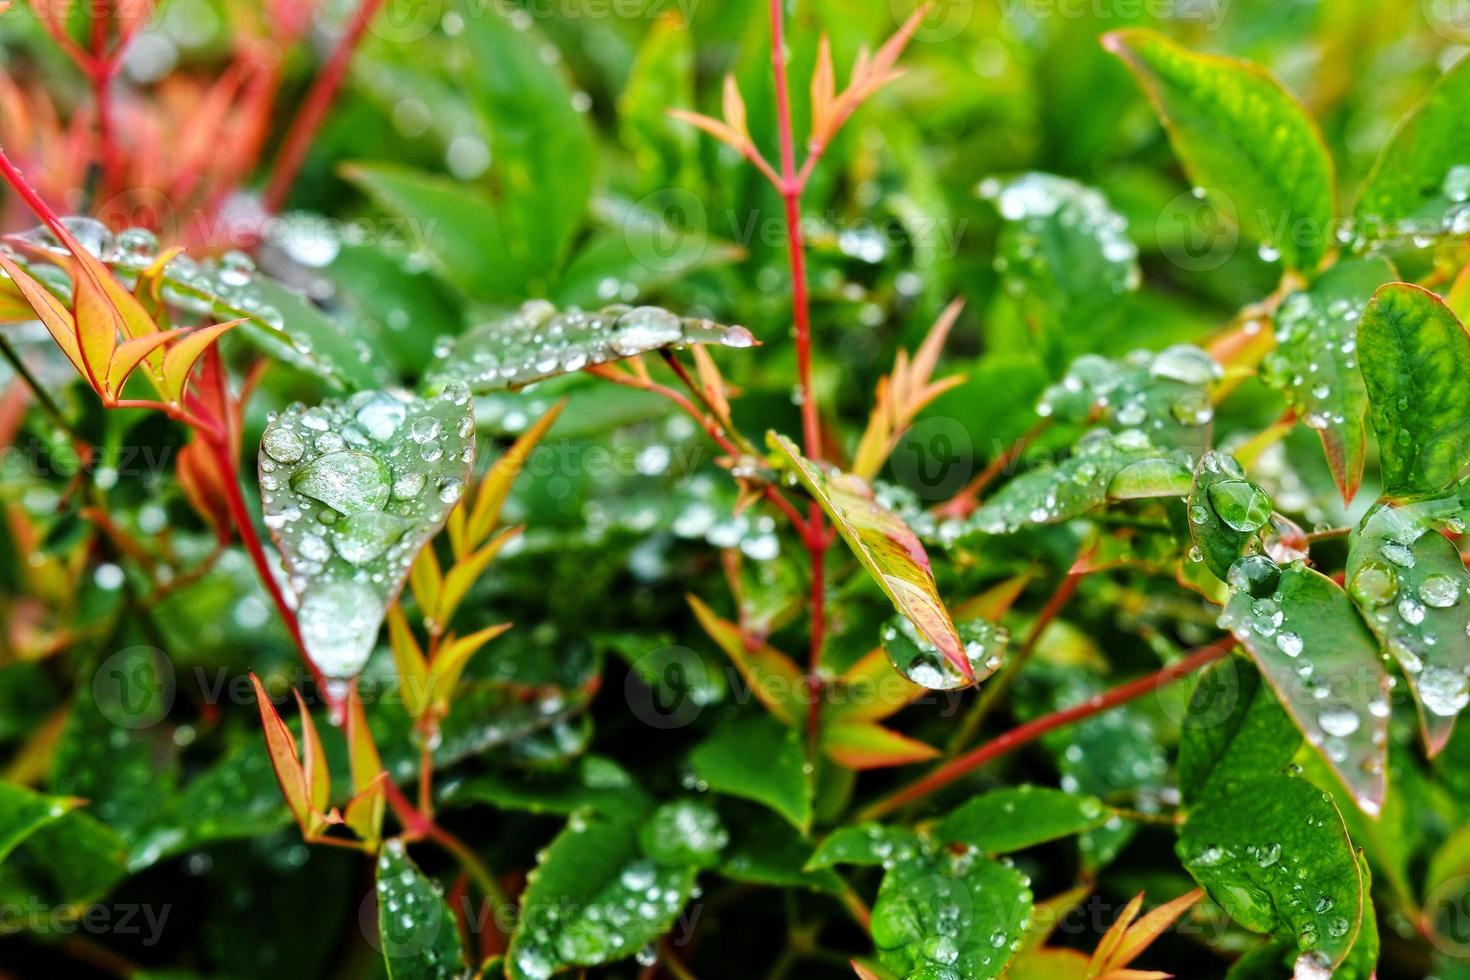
(1421, 181)
(758, 759)
(1226, 515)
(595, 897)
(1234, 728)
(1019, 817)
(1412, 587)
(1243, 139)
(418, 932)
(351, 491)
(866, 845)
(887, 549)
(943, 914)
(1064, 256)
(1415, 356)
(538, 342)
(1316, 362)
(51, 847)
(1322, 664)
(1272, 851)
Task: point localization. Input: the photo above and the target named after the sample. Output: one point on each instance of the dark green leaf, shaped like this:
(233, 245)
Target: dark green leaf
(1323, 665)
(417, 929)
(1415, 358)
(867, 844)
(1235, 728)
(1411, 584)
(1243, 139)
(1018, 817)
(684, 832)
(51, 848)
(1226, 515)
(758, 759)
(590, 783)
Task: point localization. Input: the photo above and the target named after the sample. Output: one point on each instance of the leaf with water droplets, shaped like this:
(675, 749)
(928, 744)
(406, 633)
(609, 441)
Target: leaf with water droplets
(920, 661)
(1019, 817)
(1323, 665)
(1226, 515)
(1273, 852)
(758, 759)
(1063, 255)
(1415, 357)
(945, 914)
(1104, 466)
(865, 845)
(538, 341)
(1315, 363)
(352, 490)
(1422, 176)
(596, 896)
(53, 850)
(1280, 956)
(886, 547)
(1242, 138)
(1235, 728)
(1412, 587)
(418, 931)
(590, 783)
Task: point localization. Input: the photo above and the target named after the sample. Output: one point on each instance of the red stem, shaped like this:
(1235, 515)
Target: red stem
(315, 107)
(1032, 730)
(790, 187)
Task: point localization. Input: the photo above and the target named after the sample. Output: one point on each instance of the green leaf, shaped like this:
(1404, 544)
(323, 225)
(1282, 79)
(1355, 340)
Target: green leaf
(1323, 665)
(1104, 466)
(595, 897)
(1226, 516)
(538, 342)
(589, 783)
(1243, 139)
(1272, 851)
(684, 832)
(766, 850)
(1019, 817)
(1421, 180)
(758, 759)
(1316, 362)
(865, 845)
(665, 150)
(352, 490)
(1063, 255)
(888, 550)
(417, 929)
(1412, 586)
(50, 848)
(542, 148)
(1235, 728)
(1415, 358)
(458, 226)
(1277, 958)
(942, 915)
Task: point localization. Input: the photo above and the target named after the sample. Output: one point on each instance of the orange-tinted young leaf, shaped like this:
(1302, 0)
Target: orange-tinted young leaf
(824, 90)
(198, 474)
(995, 601)
(733, 106)
(286, 762)
(413, 668)
(449, 663)
(426, 579)
(1102, 955)
(496, 483)
(98, 324)
(51, 311)
(314, 761)
(714, 127)
(870, 690)
(130, 353)
(772, 676)
(865, 745)
(178, 360)
(364, 812)
(713, 383)
(466, 571)
(1135, 937)
(863, 972)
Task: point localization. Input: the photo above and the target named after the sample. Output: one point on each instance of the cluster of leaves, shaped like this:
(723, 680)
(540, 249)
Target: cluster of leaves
(1187, 626)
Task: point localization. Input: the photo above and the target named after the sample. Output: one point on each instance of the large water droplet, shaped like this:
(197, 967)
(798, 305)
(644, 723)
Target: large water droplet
(921, 662)
(349, 482)
(339, 625)
(1242, 505)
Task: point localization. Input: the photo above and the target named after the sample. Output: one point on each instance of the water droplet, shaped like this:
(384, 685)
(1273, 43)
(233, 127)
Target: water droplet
(348, 482)
(1241, 505)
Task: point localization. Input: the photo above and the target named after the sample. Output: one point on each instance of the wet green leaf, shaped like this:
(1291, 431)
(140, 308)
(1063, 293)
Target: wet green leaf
(1421, 182)
(590, 783)
(1226, 515)
(758, 759)
(685, 831)
(1272, 851)
(595, 897)
(887, 549)
(1235, 728)
(1412, 587)
(1322, 664)
(1242, 138)
(1415, 357)
(943, 915)
(865, 845)
(538, 342)
(52, 849)
(1019, 817)
(418, 931)
(1316, 362)
(351, 491)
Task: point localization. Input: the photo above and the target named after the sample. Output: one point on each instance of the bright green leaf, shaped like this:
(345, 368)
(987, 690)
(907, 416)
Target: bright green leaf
(1018, 817)
(418, 931)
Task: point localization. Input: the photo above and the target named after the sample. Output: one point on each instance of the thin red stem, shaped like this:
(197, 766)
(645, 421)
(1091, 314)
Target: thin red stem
(101, 69)
(1032, 730)
(317, 104)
